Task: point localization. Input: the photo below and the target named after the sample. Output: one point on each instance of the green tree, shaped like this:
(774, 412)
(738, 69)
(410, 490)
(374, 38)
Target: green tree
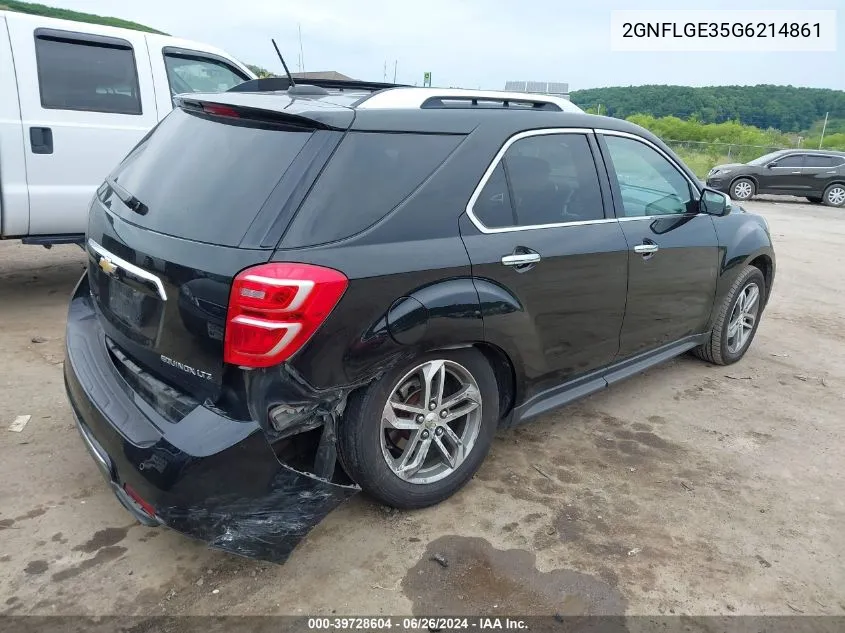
(259, 71)
(784, 108)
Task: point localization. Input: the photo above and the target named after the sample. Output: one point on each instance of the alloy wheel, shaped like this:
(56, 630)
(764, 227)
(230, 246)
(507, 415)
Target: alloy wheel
(431, 421)
(743, 317)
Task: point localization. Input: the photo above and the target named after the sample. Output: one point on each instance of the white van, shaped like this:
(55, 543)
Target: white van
(74, 99)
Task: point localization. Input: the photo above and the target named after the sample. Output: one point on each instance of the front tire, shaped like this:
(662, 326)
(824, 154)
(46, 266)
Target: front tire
(417, 435)
(743, 189)
(737, 320)
(834, 195)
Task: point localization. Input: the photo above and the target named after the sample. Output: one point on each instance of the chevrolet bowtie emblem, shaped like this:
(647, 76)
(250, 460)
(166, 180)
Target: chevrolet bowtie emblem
(107, 266)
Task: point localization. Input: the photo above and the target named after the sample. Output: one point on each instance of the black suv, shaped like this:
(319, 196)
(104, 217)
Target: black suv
(295, 295)
(818, 176)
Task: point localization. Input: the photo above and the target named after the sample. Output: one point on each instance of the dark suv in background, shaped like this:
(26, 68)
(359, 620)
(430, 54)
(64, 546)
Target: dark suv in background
(294, 294)
(816, 175)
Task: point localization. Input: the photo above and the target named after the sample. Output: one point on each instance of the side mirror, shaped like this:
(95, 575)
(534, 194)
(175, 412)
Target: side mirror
(770, 165)
(714, 202)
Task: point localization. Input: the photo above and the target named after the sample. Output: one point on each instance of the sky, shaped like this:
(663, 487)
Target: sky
(472, 43)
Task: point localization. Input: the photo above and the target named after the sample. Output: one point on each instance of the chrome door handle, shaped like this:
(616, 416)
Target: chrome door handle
(521, 260)
(646, 249)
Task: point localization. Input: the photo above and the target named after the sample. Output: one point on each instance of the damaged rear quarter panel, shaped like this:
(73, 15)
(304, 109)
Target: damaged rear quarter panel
(207, 475)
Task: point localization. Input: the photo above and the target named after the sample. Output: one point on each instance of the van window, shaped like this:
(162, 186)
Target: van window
(199, 74)
(75, 74)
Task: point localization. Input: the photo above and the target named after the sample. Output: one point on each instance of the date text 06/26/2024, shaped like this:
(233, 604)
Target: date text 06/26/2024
(417, 623)
(723, 31)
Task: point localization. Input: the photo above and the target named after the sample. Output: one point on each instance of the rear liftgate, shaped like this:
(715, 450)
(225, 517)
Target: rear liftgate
(205, 345)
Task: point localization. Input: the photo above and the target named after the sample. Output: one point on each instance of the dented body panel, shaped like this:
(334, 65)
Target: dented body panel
(210, 476)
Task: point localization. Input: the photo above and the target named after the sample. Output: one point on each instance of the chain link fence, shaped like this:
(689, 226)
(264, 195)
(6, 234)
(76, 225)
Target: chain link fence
(700, 156)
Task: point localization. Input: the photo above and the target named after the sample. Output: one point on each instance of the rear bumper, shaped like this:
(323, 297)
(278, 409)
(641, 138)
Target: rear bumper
(207, 476)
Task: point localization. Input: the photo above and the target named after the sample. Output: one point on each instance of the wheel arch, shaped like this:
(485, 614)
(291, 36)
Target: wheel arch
(766, 266)
(744, 240)
(505, 373)
(838, 181)
(753, 179)
(425, 320)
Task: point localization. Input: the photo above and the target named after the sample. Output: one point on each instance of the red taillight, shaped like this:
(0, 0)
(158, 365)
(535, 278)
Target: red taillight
(275, 308)
(220, 110)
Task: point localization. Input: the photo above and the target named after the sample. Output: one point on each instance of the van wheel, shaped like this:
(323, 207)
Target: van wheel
(834, 196)
(737, 320)
(742, 189)
(416, 436)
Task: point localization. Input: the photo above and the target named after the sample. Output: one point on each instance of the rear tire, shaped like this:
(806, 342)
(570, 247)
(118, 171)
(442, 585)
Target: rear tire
(742, 189)
(834, 195)
(384, 459)
(733, 329)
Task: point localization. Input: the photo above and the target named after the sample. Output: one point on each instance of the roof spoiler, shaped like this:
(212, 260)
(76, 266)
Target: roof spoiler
(274, 84)
(247, 113)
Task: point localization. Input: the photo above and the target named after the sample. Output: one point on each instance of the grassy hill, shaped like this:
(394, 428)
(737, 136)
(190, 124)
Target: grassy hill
(784, 108)
(67, 14)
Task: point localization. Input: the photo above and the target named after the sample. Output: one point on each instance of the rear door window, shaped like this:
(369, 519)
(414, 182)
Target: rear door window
(205, 179)
(541, 180)
(197, 73)
(96, 75)
(370, 174)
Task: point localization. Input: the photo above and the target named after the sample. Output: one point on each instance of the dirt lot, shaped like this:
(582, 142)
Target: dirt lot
(690, 489)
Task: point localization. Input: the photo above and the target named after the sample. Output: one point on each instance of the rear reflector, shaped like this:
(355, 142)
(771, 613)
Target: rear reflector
(275, 308)
(149, 509)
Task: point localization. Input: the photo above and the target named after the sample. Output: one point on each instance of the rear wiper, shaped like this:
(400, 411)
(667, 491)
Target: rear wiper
(127, 198)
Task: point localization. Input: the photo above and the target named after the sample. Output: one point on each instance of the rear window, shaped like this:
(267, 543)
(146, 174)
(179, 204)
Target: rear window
(370, 174)
(205, 180)
(814, 160)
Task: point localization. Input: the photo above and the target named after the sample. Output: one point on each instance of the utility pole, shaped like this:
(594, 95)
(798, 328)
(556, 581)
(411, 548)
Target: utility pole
(598, 112)
(824, 127)
(385, 71)
(395, 65)
(301, 54)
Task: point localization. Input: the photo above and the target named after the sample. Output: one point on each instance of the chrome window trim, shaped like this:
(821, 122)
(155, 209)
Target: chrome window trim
(495, 163)
(631, 218)
(128, 267)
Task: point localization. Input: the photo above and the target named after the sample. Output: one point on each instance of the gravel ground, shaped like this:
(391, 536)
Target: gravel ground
(690, 489)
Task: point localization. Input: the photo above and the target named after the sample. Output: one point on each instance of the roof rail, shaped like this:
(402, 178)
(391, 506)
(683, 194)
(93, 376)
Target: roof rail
(408, 97)
(526, 103)
(273, 84)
